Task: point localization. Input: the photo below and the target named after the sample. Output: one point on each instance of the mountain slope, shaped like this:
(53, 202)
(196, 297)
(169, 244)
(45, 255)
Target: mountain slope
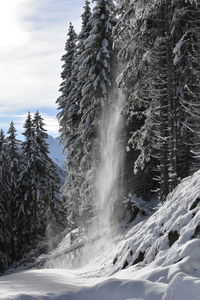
(56, 150)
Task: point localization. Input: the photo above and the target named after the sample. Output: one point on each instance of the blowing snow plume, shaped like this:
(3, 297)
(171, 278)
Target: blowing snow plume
(109, 177)
(109, 180)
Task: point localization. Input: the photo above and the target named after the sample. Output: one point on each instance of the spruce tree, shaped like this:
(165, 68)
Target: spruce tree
(149, 78)
(14, 185)
(5, 229)
(96, 92)
(135, 35)
(186, 28)
(66, 86)
(91, 74)
(40, 171)
(73, 140)
(27, 176)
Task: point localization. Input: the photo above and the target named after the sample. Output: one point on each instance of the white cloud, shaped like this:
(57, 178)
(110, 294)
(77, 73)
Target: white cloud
(51, 122)
(33, 34)
(11, 30)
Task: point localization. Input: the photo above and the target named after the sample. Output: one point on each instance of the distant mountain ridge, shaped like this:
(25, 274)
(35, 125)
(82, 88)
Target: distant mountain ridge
(56, 151)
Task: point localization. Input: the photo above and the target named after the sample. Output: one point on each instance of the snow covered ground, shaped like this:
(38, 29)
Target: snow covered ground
(62, 285)
(157, 259)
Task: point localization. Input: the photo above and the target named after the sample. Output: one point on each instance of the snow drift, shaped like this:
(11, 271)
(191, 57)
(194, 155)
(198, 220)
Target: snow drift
(170, 233)
(156, 259)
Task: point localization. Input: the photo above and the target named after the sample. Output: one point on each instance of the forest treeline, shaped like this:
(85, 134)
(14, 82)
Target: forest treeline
(29, 191)
(150, 50)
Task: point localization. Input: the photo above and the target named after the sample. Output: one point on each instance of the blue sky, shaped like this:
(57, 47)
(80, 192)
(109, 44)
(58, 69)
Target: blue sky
(33, 35)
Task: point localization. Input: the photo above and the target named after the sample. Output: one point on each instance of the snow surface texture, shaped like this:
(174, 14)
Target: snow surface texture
(156, 259)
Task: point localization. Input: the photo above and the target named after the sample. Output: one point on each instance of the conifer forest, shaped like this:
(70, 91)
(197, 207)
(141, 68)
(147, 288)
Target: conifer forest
(125, 207)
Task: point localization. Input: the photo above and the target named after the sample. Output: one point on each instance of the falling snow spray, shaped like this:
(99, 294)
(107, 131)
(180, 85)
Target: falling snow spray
(109, 176)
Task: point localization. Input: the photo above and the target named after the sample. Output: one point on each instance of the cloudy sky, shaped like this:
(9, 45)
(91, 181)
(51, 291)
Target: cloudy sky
(33, 34)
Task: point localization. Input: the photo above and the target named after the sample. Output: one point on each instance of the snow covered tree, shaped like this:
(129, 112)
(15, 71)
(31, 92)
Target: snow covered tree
(149, 79)
(135, 35)
(186, 29)
(25, 214)
(14, 185)
(5, 236)
(73, 139)
(162, 92)
(67, 84)
(30, 191)
(92, 77)
(99, 73)
(40, 184)
(40, 166)
(28, 133)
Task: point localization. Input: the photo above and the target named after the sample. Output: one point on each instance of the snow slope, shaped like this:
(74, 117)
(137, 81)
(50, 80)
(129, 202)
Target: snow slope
(156, 259)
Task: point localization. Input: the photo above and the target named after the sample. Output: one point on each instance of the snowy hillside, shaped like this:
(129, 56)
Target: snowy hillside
(158, 258)
(56, 151)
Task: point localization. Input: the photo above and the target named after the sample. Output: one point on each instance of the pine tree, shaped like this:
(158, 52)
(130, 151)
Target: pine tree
(149, 77)
(96, 92)
(186, 27)
(91, 74)
(135, 35)
(30, 191)
(27, 175)
(5, 236)
(40, 171)
(14, 186)
(73, 141)
(67, 84)
(162, 92)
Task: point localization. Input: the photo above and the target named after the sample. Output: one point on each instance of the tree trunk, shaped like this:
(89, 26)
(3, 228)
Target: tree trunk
(171, 99)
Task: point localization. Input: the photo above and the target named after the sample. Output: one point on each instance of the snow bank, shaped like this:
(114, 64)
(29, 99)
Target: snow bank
(57, 284)
(170, 233)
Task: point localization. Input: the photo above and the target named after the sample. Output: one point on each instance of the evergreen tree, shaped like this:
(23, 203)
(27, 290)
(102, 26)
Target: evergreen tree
(40, 167)
(186, 29)
(66, 86)
(30, 191)
(5, 236)
(162, 79)
(14, 186)
(137, 33)
(91, 75)
(149, 77)
(73, 140)
(96, 92)
(25, 215)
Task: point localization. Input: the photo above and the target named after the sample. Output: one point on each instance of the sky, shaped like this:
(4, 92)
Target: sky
(33, 35)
